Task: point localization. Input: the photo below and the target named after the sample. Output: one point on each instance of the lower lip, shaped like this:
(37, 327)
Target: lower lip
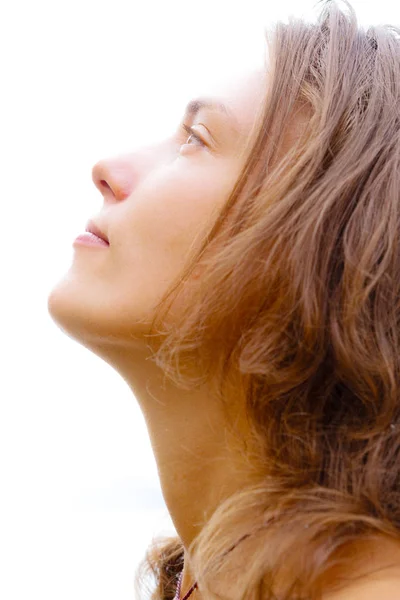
(89, 239)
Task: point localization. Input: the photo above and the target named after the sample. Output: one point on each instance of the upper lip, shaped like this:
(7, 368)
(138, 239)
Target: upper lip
(92, 228)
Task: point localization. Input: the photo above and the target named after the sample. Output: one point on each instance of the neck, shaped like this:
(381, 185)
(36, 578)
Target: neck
(198, 448)
(198, 451)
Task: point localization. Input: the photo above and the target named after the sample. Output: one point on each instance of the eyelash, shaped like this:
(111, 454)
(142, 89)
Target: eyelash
(193, 134)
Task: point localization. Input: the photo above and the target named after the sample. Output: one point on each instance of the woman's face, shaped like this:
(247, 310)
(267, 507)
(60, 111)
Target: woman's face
(156, 202)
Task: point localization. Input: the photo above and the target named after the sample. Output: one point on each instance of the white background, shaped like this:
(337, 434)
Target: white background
(82, 80)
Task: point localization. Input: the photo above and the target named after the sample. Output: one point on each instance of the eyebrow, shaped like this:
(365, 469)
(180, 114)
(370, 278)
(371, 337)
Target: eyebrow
(198, 104)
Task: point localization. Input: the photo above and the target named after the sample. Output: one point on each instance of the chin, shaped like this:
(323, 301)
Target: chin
(67, 309)
(81, 316)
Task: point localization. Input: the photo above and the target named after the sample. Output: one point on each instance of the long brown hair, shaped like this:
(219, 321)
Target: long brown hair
(298, 307)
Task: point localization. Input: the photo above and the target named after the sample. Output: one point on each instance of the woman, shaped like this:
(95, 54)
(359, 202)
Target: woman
(248, 293)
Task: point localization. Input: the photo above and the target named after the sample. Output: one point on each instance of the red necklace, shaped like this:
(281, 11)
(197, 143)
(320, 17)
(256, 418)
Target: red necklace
(178, 589)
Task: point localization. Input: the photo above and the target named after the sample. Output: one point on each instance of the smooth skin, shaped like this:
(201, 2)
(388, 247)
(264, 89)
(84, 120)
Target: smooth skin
(157, 202)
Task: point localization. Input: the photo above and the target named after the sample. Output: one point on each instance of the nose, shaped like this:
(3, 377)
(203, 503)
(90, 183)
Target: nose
(113, 179)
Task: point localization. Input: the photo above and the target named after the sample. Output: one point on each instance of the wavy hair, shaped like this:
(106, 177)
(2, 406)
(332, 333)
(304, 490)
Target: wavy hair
(298, 310)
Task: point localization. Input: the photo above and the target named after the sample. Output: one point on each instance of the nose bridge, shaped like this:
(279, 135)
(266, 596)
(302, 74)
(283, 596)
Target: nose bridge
(114, 178)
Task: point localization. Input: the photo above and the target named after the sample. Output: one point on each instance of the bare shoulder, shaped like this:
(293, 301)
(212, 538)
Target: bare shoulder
(373, 574)
(384, 589)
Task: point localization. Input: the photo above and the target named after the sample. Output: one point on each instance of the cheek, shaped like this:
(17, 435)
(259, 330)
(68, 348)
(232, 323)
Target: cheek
(169, 215)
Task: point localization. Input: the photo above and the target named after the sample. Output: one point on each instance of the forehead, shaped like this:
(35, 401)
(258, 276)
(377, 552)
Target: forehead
(242, 95)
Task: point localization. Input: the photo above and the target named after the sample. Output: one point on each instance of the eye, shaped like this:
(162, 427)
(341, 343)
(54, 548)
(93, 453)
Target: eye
(193, 136)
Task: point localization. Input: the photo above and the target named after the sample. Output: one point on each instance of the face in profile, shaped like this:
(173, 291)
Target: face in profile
(157, 202)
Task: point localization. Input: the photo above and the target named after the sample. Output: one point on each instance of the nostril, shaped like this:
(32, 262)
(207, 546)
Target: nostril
(111, 180)
(104, 184)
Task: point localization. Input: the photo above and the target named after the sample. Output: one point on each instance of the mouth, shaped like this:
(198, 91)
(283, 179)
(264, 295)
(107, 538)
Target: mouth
(92, 228)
